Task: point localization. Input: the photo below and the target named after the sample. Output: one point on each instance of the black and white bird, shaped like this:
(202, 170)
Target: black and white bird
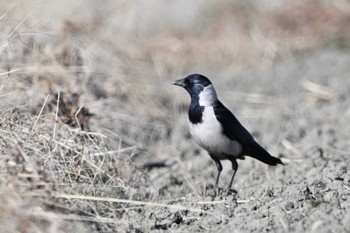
(217, 130)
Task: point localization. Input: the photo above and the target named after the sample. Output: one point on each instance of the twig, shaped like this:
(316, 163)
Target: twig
(3, 15)
(56, 117)
(9, 72)
(22, 153)
(132, 202)
(243, 201)
(211, 202)
(76, 116)
(192, 186)
(111, 152)
(20, 24)
(291, 147)
(10, 93)
(41, 111)
(320, 92)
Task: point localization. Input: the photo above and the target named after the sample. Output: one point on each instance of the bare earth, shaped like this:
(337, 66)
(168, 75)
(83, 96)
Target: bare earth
(94, 138)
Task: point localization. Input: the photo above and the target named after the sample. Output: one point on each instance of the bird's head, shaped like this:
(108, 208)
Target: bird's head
(200, 88)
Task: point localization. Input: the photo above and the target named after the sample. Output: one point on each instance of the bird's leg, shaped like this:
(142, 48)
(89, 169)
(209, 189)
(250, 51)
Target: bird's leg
(219, 168)
(234, 168)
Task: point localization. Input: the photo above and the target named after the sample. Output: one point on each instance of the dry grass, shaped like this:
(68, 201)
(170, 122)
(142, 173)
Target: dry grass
(85, 104)
(66, 161)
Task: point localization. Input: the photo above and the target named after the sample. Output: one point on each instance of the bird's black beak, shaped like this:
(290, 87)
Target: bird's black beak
(180, 82)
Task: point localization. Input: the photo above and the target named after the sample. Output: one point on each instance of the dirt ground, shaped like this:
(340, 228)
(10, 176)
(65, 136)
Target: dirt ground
(94, 138)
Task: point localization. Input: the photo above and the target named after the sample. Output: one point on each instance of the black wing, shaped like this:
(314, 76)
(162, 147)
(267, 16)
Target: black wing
(234, 130)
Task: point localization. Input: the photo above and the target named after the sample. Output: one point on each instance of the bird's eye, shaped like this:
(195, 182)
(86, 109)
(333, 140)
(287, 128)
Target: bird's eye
(191, 84)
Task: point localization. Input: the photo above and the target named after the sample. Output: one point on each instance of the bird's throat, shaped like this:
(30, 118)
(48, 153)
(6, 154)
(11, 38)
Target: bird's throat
(195, 112)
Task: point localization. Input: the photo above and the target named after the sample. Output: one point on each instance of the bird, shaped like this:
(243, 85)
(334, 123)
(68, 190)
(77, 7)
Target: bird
(216, 129)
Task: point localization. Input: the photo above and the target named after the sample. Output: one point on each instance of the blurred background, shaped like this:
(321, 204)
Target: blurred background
(280, 66)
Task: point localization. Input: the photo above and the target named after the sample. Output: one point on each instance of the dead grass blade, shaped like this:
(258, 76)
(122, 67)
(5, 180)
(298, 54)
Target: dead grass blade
(10, 93)
(3, 15)
(320, 92)
(291, 147)
(76, 116)
(41, 111)
(192, 187)
(20, 23)
(9, 72)
(56, 117)
(132, 202)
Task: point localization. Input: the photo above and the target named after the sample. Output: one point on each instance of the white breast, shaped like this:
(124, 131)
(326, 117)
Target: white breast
(208, 96)
(209, 135)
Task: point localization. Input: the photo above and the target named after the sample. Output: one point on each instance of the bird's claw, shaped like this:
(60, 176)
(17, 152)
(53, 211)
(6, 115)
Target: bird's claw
(230, 191)
(215, 192)
(220, 192)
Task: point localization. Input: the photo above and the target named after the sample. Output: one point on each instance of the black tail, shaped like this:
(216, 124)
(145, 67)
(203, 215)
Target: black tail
(258, 152)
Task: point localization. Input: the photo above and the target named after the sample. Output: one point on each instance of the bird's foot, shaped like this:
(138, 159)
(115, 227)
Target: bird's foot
(215, 192)
(230, 192)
